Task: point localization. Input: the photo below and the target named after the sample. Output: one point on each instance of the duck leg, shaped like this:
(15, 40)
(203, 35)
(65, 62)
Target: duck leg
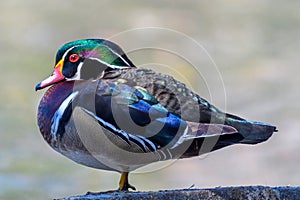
(124, 183)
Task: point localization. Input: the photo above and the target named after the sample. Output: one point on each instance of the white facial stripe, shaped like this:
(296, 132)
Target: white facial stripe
(77, 76)
(109, 65)
(59, 113)
(66, 53)
(113, 66)
(117, 55)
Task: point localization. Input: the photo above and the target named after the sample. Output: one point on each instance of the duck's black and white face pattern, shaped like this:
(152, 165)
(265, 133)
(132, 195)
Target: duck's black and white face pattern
(86, 59)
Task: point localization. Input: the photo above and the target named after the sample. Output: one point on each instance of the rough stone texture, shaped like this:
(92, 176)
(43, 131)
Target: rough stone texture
(219, 193)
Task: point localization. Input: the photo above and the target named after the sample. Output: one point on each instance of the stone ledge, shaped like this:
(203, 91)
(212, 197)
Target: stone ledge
(219, 193)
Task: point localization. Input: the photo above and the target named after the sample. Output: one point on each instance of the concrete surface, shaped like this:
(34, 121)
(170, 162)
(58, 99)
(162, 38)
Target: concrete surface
(219, 193)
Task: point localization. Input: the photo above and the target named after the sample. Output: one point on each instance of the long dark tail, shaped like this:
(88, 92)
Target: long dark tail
(248, 132)
(251, 131)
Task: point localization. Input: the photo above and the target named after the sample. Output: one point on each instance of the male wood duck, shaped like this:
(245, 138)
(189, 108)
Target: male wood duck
(104, 112)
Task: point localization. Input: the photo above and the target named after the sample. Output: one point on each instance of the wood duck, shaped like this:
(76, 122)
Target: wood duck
(104, 112)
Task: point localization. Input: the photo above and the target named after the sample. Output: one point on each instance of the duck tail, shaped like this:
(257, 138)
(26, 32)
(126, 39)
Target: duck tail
(252, 132)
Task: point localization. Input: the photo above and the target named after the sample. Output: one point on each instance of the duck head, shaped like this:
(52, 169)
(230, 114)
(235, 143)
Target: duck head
(86, 59)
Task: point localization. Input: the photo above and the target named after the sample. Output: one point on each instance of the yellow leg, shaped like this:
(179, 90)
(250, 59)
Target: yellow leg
(124, 184)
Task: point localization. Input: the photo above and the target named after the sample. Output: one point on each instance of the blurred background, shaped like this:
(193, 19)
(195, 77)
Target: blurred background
(254, 44)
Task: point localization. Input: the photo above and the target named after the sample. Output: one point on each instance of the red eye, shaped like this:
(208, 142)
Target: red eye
(74, 58)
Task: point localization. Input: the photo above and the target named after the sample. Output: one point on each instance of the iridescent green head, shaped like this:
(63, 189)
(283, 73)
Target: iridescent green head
(86, 59)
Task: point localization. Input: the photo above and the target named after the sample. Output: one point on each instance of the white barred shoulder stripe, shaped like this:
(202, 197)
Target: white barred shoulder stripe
(60, 112)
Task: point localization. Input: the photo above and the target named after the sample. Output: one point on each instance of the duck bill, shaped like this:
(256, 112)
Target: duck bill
(55, 77)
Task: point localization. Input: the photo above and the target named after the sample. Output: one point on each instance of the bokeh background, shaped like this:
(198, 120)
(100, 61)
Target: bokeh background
(255, 45)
